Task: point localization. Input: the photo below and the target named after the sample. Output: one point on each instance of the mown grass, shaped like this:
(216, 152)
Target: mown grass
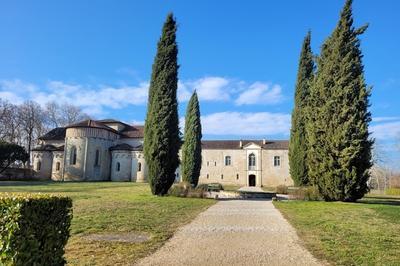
(363, 233)
(107, 207)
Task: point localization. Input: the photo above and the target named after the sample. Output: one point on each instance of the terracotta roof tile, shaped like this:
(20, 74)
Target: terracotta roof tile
(235, 144)
(92, 124)
(133, 132)
(48, 147)
(57, 133)
(126, 147)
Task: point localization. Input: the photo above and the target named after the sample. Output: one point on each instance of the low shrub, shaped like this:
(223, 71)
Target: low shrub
(203, 187)
(305, 193)
(34, 229)
(180, 190)
(215, 187)
(281, 189)
(393, 191)
(184, 189)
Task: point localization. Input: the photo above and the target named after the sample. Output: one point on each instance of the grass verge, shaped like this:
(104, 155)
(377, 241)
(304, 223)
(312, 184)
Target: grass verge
(106, 207)
(363, 233)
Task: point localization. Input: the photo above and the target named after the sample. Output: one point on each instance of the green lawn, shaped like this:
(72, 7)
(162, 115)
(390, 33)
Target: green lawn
(116, 207)
(364, 233)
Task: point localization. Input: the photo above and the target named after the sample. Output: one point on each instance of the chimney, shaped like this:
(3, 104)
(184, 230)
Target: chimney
(241, 144)
(264, 141)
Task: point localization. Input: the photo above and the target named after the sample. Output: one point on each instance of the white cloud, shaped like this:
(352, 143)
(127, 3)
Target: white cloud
(184, 92)
(260, 93)
(239, 123)
(224, 89)
(385, 118)
(11, 97)
(93, 99)
(15, 91)
(386, 130)
(208, 89)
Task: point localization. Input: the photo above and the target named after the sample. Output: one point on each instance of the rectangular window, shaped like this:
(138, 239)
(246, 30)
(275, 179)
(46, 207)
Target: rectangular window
(208, 176)
(215, 163)
(237, 176)
(227, 160)
(208, 163)
(277, 160)
(222, 176)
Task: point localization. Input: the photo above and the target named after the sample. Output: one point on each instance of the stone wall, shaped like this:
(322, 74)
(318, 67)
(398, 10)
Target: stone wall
(57, 166)
(124, 159)
(276, 175)
(42, 162)
(87, 141)
(213, 169)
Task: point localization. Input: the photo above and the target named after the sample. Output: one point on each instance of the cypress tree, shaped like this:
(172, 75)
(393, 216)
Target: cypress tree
(191, 149)
(298, 140)
(339, 140)
(162, 140)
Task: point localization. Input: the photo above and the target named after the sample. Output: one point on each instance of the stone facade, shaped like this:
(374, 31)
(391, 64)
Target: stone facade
(111, 150)
(246, 163)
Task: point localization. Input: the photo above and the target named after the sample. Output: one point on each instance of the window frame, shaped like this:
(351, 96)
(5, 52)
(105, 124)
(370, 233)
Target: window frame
(97, 158)
(73, 155)
(252, 161)
(228, 160)
(277, 161)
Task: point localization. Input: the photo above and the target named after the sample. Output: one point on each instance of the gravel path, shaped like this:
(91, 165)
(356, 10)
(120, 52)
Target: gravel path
(234, 232)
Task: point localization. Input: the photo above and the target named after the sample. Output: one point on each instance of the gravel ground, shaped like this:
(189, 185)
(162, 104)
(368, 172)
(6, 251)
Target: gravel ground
(234, 232)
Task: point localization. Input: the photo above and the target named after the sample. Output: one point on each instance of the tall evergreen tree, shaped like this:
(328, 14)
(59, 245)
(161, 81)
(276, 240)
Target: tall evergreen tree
(191, 149)
(339, 141)
(298, 140)
(162, 140)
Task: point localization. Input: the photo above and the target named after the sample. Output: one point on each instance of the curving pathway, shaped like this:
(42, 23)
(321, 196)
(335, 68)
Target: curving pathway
(234, 232)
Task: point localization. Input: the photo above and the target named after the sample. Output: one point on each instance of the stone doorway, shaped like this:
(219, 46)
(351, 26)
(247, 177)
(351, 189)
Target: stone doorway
(252, 180)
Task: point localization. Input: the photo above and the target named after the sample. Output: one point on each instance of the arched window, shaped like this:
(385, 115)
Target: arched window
(38, 165)
(118, 166)
(252, 161)
(58, 166)
(227, 160)
(97, 158)
(139, 167)
(72, 158)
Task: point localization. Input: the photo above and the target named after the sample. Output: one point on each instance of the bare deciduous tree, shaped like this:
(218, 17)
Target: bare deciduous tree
(9, 123)
(62, 115)
(23, 124)
(32, 120)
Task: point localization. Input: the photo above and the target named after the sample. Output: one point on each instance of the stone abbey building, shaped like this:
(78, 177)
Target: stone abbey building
(95, 150)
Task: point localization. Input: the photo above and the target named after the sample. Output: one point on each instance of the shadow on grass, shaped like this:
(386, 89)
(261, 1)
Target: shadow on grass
(25, 183)
(384, 200)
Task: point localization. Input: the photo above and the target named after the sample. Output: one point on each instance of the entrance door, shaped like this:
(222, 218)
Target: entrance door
(252, 180)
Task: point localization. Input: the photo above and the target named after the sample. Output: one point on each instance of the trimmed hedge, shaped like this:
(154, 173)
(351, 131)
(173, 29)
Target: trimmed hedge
(34, 229)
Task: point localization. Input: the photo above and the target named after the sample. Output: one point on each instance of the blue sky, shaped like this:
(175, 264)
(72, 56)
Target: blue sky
(241, 56)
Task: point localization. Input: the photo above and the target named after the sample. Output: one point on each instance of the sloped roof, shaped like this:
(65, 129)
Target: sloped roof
(235, 144)
(48, 147)
(126, 147)
(132, 132)
(92, 124)
(57, 133)
(111, 121)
